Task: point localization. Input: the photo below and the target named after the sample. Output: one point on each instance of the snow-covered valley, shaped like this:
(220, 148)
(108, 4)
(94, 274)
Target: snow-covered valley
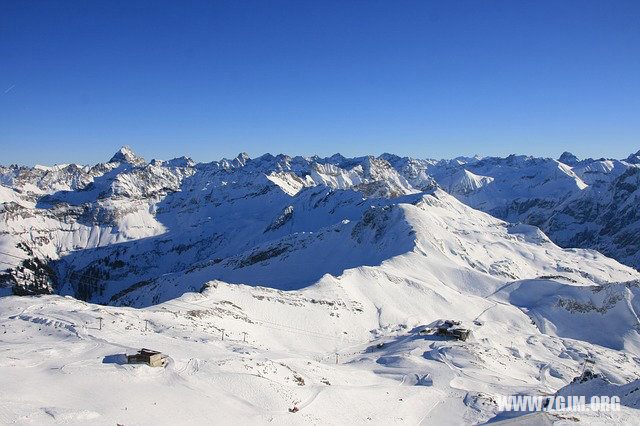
(312, 283)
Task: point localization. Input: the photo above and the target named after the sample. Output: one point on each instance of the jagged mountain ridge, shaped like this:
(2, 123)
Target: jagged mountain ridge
(208, 210)
(79, 216)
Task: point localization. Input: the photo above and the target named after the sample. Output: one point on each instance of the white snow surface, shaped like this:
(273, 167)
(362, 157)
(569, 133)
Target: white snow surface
(322, 275)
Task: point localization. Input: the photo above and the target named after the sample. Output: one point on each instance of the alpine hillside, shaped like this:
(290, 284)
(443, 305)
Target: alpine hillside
(306, 290)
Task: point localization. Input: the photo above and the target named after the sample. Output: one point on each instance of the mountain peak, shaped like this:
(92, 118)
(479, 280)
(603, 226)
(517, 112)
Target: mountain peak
(634, 158)
(126, 155)
(336, 158)
(242, 158)
(568, 158)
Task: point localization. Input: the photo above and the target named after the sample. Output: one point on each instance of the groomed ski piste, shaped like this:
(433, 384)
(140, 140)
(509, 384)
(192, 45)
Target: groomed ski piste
(330, 327)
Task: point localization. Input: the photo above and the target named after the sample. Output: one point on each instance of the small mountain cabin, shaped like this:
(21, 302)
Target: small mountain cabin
(149, 357)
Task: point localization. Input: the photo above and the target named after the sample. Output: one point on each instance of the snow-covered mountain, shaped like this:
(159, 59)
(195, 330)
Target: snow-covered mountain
(577, 203)
(316, 258)
(69, 218)
(128, 220)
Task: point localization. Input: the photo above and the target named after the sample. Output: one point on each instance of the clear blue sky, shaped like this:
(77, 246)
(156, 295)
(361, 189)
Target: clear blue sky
(422, 78)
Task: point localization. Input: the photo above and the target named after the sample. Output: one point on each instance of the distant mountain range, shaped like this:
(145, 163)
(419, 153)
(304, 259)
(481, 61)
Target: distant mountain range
(109, 233)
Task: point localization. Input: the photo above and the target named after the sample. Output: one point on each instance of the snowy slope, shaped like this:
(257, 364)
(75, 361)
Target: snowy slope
(433, 233)
(387, 372)
(299, 262)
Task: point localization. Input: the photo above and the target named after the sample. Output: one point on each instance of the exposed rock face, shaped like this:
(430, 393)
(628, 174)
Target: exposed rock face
(568, 158)
(634, 158)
